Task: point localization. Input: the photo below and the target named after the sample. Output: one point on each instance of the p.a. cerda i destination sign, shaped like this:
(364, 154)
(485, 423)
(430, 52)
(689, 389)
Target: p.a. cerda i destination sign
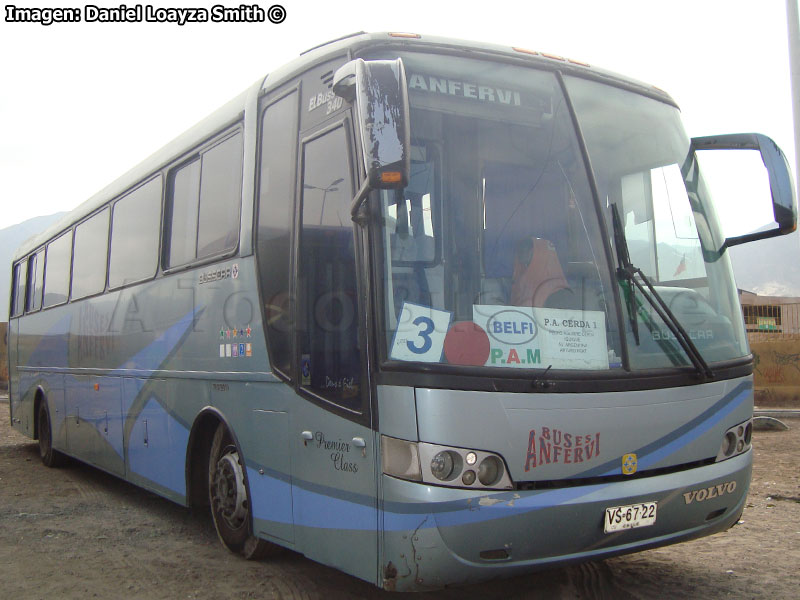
(525, 337)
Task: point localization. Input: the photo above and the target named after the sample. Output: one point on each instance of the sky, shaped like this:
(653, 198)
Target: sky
(81, 103)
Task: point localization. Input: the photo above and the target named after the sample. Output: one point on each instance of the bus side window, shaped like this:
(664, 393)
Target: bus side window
(330, 364)
(35, 275)
(204, 203)
(91, 255)
(134, 235)
(56, 273)
(220, 198)
(275, 222)
(18, 295)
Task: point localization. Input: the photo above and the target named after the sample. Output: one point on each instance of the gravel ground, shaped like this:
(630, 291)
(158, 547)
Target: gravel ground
(77, 533)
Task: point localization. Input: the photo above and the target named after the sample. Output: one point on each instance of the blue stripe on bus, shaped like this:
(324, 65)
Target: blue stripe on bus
(499, 505)
(325, 508)
(275, 499)
(162, 459)
(157, 447)
(651, 455)
(661, 448)
(153, 356)
(327, 511)
(271, 497)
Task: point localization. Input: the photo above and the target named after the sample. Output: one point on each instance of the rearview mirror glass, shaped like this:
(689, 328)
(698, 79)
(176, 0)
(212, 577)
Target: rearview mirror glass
(379, 91)
(750, 178)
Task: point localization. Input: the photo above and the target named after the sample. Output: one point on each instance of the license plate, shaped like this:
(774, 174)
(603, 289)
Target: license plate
(630, 516)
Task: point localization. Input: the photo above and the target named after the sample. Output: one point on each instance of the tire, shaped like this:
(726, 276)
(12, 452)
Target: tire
(230, 505)
(50, 457)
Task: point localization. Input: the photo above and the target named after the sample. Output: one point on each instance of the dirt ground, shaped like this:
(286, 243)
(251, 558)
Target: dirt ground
(77, 533)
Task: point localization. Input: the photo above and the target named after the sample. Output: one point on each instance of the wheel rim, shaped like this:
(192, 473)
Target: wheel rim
(229, 492)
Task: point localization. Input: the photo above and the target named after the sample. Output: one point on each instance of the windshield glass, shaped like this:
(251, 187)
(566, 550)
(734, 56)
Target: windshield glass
(639, 155)
(492, 255)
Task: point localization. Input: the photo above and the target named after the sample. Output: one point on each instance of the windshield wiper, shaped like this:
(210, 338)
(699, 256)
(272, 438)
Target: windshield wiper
(628, 271)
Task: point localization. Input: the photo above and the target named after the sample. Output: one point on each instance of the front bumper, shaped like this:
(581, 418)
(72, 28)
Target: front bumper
(435, 536)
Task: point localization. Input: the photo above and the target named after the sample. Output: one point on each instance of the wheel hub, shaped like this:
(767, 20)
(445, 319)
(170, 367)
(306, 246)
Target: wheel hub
(230, 494)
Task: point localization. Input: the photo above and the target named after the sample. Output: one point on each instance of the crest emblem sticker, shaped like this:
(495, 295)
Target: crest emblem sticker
(629, 464)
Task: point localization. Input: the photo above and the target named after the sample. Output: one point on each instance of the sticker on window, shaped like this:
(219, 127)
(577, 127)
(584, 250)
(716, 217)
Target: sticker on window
(420, 333)
(531, 338)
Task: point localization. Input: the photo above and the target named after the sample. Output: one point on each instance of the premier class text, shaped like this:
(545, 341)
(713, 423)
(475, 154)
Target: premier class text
(137, 14)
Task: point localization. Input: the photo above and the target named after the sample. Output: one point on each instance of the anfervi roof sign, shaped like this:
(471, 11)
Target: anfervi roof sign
(463, 89)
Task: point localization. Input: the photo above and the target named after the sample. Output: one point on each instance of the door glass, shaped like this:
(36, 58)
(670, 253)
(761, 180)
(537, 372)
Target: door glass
(275, 223)
(330, 364)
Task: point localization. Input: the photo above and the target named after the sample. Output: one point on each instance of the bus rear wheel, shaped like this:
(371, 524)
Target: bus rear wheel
(50, 457)
(230, 505)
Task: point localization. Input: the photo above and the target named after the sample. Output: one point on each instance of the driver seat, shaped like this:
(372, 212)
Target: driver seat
(537, 273)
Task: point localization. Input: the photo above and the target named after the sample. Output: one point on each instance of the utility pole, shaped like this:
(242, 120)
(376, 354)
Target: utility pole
(793, 19)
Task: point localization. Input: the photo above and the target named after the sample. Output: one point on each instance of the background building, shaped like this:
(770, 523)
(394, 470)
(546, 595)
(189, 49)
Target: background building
(770, 315)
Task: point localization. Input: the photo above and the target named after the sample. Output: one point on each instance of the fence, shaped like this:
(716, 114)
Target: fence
(772, 318)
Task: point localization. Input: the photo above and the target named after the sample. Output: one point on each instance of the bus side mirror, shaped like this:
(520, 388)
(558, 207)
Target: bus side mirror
(784, 207)
(378, 89)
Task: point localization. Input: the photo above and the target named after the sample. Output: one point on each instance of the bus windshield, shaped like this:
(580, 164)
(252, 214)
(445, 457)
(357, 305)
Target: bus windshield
(494, 256)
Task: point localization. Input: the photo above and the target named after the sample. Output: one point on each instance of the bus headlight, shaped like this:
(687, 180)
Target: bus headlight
(490, 470)
(444, 465)
(463, 467)
(736, 440)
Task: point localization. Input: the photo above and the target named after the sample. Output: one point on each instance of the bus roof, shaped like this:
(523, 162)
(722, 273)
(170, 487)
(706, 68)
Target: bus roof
(352, 45)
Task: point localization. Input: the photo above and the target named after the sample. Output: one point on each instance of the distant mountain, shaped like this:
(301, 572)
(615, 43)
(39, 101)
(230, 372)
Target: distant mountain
(769, 267)
(10, 239)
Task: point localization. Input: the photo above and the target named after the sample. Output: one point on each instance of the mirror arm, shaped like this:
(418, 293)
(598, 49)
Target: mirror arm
(749, 237)
(358, 201)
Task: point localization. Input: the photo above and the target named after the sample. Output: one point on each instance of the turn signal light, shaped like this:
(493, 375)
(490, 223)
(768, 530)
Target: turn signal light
(391, 177)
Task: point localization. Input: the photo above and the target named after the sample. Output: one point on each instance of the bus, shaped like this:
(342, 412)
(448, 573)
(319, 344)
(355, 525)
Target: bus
(428, 311)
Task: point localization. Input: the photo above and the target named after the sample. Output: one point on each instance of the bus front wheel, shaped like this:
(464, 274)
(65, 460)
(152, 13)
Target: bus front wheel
(50, 457)
(230, 505)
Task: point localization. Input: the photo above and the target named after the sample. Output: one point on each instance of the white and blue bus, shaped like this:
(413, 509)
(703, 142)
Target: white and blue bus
(428, 311)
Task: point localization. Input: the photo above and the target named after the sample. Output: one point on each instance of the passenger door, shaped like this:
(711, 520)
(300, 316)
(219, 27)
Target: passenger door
(334, 485)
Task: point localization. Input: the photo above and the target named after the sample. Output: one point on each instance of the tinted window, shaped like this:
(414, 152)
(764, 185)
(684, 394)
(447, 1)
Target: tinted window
(183, 225)
(275, 220)
(204, 203)
(134, 235)
(18, 295)
(91, 254)
(330, 359)
(220, 194)
(56, 274)
(35, 277)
